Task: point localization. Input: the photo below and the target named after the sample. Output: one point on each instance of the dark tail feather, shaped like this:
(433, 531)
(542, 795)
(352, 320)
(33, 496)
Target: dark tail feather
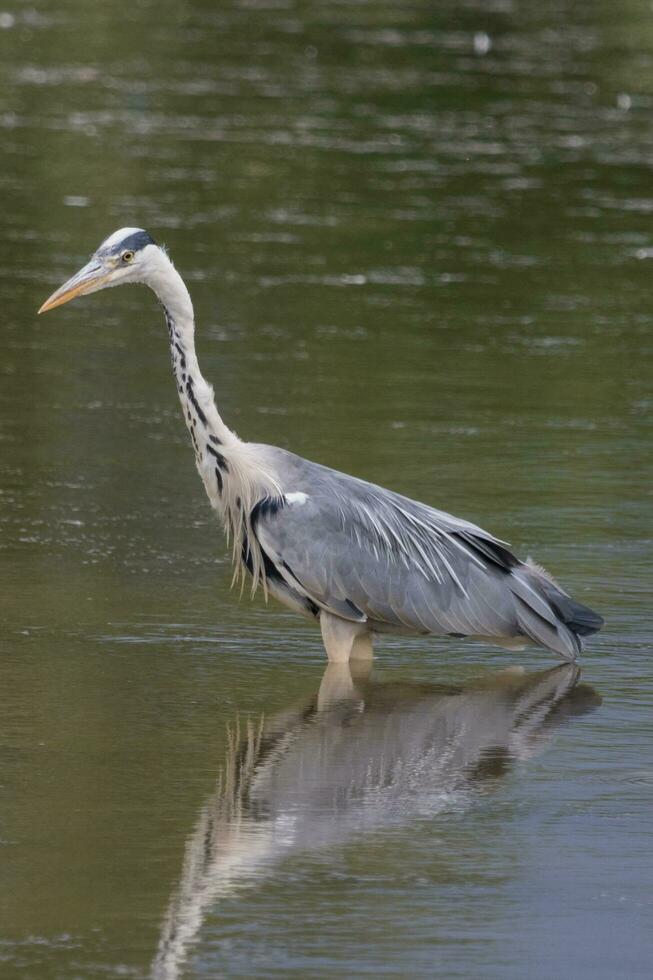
(548, 615)
(579, 618)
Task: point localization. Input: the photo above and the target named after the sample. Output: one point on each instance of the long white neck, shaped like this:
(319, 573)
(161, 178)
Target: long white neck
(196, 395)
(233, 477)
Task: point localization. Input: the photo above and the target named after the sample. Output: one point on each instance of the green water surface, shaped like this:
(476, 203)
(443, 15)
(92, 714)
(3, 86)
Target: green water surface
(419, 239)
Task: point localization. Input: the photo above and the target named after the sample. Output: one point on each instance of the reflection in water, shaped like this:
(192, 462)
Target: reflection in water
(358, 756)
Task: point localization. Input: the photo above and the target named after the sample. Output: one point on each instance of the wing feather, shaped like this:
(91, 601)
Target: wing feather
(366, 553)
(362, 552)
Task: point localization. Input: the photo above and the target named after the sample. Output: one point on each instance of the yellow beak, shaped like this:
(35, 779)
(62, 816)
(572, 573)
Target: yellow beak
(92, 277)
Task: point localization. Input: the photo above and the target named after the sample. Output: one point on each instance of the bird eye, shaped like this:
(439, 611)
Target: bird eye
(127, 255)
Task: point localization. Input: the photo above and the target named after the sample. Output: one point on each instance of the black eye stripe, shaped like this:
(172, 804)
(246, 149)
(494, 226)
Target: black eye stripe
(136, 241)
(130, 243)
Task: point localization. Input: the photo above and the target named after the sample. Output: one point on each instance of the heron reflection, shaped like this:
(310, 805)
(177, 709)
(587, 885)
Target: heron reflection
(359, 755)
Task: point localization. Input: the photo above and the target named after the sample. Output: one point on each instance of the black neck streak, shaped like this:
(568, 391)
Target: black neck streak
(196, 421)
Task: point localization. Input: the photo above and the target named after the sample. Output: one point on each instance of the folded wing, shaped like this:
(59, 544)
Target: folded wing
(367, 554)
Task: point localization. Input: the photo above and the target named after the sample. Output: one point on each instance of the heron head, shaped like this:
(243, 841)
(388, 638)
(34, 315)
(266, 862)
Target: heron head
(123, 257)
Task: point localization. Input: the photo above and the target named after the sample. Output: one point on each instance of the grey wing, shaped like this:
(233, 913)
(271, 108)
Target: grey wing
(367, 554)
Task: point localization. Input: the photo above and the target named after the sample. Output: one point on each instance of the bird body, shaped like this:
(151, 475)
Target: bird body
(359, 558)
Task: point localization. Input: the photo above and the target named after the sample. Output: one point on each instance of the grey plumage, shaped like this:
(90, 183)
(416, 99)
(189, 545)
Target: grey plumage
(372, 556)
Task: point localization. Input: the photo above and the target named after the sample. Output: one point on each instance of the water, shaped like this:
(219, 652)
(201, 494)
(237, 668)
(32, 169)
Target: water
(419, 244)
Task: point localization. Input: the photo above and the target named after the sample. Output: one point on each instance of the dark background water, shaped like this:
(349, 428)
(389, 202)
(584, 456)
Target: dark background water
(419, 242)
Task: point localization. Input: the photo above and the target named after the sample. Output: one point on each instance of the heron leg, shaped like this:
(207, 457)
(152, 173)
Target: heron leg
(344, 640)
(362, 648)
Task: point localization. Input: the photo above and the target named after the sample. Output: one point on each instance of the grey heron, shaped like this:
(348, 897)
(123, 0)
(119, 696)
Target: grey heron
(358, 558)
